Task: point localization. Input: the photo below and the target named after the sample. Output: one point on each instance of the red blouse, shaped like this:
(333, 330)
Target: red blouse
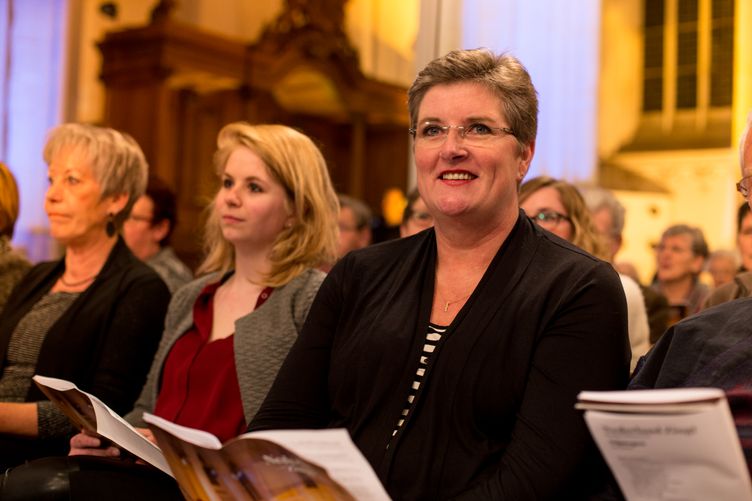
(199, 386)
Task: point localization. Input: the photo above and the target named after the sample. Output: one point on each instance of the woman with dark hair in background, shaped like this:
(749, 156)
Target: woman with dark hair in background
(148, 229)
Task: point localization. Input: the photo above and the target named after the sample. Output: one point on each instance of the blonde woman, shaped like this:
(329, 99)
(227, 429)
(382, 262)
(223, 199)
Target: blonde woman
(13, 265)
(271, 225)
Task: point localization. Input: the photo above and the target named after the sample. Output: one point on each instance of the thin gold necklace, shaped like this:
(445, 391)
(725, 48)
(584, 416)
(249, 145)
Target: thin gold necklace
(447, 303)
(77, 284)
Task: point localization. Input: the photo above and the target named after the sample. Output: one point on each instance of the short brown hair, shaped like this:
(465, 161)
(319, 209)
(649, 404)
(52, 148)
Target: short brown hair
(503, 74)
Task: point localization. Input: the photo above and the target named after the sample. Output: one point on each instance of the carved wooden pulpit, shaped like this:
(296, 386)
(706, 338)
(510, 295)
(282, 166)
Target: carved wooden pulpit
(173, 86)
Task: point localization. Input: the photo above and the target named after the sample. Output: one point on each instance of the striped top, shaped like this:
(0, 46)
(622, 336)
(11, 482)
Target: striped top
(432, 340)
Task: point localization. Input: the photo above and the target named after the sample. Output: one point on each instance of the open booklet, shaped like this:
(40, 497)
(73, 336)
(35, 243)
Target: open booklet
(278, 464)
(282, 464)
(669, 443)
(89, 413)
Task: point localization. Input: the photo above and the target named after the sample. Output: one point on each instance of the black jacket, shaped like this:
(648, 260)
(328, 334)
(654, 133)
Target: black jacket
(495, 417)
(106, 340)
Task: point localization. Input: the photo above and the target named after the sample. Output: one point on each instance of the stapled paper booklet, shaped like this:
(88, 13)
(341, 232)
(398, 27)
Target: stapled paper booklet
(669, 444)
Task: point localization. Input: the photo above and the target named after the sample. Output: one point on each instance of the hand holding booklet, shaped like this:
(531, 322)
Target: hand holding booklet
(89, 413)
(669, 443)
(281, 464)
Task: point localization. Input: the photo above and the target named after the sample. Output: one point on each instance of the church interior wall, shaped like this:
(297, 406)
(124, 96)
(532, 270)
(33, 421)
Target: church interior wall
(394, 37)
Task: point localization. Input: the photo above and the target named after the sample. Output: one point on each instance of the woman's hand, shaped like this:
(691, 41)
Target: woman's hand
(90, 444)
(146, 432)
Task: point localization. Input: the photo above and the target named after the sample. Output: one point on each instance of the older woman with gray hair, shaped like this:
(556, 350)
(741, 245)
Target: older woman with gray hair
(680, 258)
(94, 316)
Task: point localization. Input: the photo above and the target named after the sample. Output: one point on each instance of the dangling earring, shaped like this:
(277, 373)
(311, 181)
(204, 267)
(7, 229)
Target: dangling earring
(110, 227)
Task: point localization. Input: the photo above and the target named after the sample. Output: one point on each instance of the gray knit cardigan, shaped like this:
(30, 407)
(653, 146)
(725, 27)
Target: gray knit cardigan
(261, 341)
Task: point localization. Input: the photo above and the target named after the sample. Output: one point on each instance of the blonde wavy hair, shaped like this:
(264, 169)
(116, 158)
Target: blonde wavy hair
(296, 163)
(584, 234)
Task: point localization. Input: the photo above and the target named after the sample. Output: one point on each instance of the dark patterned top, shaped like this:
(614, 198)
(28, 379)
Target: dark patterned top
(23, 352)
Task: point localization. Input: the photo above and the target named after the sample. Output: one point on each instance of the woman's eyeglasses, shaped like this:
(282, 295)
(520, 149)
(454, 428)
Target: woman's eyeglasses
(433, 134)
(549, 218)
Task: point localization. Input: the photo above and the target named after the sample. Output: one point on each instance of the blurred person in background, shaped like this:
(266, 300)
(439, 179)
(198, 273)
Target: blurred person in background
(680, 258)
(608, 216)
(744, 236)
(355, 220)
(558, 207)
(13, 266)
(147, 233)
(741, 284)
(415, 217)
(722, 266)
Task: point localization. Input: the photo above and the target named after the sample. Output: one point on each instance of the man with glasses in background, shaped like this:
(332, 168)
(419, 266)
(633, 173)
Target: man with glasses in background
(147, 233)
(354, 225)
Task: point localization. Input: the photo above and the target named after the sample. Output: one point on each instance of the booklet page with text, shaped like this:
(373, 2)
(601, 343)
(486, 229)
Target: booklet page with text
(274, 464)
(669, 444)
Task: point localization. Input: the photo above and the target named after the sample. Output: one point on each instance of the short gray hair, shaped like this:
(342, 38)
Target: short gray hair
(698, 245)
(503, 74)
(597, 198)
(724, 254)
(116, 160)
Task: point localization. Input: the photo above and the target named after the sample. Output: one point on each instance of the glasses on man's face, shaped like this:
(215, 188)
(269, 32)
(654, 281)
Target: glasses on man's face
(549, 218)
(429, 134)
(744, 186)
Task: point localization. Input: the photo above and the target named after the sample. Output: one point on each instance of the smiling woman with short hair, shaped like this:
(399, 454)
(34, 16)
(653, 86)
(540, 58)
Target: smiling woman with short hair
(454, 356)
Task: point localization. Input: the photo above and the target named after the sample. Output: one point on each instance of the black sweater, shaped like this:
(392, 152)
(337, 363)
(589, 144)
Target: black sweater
(106, 340)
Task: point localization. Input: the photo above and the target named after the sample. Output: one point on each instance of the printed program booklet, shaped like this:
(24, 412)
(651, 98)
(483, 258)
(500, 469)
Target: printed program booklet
(275, 464)
(265, 465)
(89, 413)
(669, 444)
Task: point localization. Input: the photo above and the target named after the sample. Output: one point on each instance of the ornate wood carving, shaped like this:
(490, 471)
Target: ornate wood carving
(172, 86)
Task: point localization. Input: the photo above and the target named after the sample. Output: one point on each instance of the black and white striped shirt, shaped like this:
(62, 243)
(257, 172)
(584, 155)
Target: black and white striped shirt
(432, 339)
